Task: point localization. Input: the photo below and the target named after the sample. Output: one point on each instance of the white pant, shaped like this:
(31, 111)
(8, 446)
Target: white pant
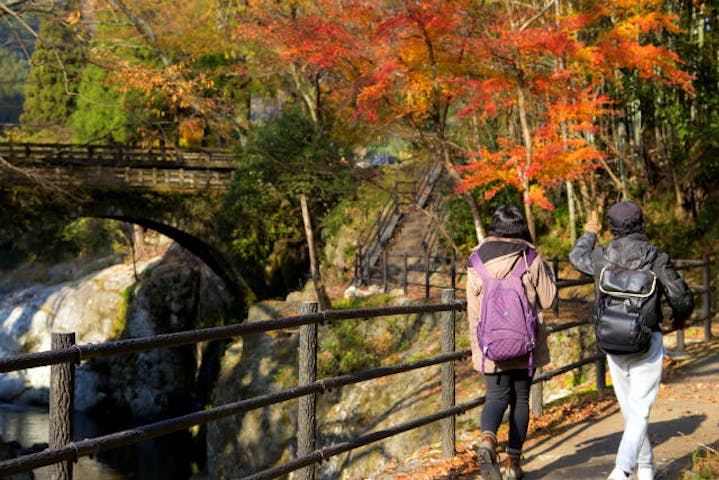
(636, 383)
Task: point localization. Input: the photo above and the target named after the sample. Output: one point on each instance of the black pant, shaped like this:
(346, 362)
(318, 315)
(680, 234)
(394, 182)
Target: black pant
(508, 388)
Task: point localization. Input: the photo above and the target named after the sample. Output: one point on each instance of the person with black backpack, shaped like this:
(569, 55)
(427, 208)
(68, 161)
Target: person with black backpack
(631, 276)
(507, 282)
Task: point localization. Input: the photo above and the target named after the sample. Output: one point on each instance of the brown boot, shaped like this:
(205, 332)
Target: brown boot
(487, 456)
(512, 469)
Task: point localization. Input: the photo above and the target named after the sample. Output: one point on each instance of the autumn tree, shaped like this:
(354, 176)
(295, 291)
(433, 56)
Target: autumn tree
(162, 68)
(389, 65)
(549, 77)
(314, 51)
(419, 61)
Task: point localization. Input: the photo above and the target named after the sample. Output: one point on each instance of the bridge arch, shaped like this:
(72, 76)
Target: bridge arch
(203, 250)
(161, 189)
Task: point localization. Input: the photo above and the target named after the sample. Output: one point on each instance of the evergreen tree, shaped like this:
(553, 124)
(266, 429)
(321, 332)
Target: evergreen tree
(50, 92)
(15, 71)
(101, 113)
(16, 44)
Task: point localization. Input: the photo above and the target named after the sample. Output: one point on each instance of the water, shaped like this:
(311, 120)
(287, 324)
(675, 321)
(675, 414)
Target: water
(161, 458)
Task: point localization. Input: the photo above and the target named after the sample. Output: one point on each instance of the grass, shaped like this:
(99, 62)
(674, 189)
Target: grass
(705, 465)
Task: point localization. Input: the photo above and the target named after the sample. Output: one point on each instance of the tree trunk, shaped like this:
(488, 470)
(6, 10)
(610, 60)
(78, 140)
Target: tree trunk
(527, 137)
(587, 200)
(322, 298)
(308, 92)
(474, 207)
(622, 148)
(455, 178)
(476, 210)
(529, 216)
(679, 211)
(572, 212)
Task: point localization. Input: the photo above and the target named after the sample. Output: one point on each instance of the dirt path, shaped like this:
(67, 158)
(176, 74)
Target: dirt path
(684, 419)
(579, 442)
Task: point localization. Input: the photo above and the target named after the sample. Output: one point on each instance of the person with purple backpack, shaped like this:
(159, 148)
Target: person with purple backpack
(508, 283)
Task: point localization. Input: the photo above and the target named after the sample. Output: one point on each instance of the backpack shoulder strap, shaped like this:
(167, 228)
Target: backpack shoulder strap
(522, 266)
(523, 263)
(479, 266)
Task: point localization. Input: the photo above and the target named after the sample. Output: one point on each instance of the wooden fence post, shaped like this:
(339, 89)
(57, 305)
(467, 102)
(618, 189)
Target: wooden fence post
(555, 268)
(404, 274)
(62, 404)
(426, 273)
(448, 395)
(306, 419)
(707, 301)
(537, 396)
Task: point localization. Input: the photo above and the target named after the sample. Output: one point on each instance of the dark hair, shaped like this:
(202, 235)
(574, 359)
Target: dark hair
(508, 222)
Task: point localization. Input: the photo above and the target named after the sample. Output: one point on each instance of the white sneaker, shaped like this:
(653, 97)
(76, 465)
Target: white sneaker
(618, 474)
(645, 472)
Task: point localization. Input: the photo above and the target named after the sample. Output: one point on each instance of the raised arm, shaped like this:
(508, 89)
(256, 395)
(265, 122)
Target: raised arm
(581, 255)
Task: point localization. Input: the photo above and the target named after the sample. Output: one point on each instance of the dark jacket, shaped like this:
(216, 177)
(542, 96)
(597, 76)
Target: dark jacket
(636, 252)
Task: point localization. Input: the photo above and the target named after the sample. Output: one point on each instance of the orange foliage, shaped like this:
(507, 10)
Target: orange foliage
(560, 69)
(436, 63)
(153, 48)
(191, 131)
(418, 60)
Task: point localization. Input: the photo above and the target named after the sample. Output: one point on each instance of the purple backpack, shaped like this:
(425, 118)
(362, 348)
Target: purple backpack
(508, 323)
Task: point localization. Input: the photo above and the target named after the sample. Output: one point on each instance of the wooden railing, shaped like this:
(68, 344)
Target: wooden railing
(117, 166)
(374, 245)
(63, 451)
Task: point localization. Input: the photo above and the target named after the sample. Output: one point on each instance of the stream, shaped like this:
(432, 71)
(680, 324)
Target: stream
(157, 459)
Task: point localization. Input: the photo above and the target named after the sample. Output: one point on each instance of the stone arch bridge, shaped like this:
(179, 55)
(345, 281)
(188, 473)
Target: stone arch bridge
(174, 192)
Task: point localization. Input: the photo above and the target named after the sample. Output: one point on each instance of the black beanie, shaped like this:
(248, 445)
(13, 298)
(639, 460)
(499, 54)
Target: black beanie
(625, 218)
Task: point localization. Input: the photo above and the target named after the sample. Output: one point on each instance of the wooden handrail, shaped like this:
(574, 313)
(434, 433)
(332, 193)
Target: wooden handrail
(108, 166)
(68, 356)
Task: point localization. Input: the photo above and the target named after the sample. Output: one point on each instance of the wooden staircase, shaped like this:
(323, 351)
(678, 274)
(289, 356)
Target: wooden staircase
(394, 245)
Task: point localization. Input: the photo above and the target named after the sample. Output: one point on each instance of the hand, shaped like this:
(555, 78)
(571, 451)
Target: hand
(593, 225)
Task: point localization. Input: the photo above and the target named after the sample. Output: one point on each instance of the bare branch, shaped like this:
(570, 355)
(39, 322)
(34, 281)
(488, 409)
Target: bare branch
(38, 180)
(8, 10)
(606, 167)
(538, 15)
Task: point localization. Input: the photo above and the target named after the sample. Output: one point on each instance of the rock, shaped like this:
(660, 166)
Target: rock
(172, 293)
(265, 437)
(353, 291)
(244, 443)
(90, 307)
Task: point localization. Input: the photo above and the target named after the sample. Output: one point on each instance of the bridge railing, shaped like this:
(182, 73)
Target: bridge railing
(113, 155)
(62, 451)
(67, 165)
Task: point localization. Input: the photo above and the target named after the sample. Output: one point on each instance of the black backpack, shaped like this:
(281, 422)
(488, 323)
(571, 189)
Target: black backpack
(627, 309)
